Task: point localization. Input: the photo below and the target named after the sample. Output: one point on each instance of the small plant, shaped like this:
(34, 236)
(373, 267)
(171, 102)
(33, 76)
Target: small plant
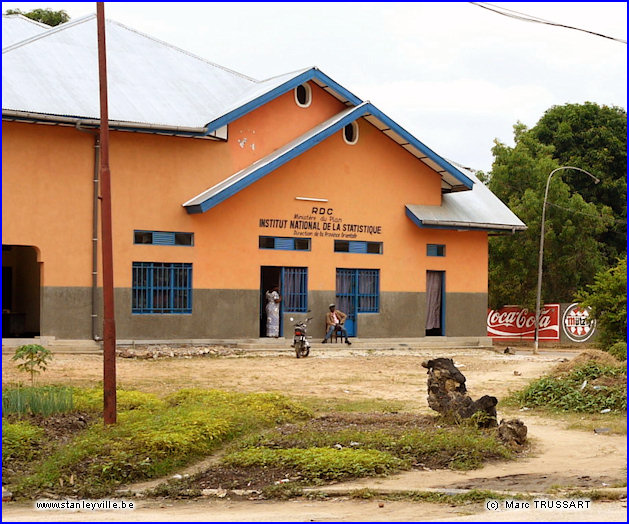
(35, 359)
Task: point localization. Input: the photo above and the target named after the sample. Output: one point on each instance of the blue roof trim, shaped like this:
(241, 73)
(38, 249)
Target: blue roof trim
(465, 180)
(366, 108)
(311, 74)
(277, 162)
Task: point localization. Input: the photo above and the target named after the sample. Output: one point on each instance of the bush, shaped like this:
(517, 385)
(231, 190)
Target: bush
(619, 350)
(316, 464)
(608, 299)
(46, 401)
(586, 389)
(19, 441)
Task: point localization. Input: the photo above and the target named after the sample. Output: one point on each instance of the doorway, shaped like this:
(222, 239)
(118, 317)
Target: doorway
(270, 276)
(21, 294)
(435, 303)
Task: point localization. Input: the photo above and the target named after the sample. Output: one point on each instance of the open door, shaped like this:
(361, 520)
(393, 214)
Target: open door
(435, 303)
(270, 276)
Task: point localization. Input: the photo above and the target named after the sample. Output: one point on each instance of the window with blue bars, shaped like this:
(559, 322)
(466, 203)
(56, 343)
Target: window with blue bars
(357, 246)
(161, 288)
(163, 238)
(285, 243)
(358, 289)
(435, 250)
(295, 289)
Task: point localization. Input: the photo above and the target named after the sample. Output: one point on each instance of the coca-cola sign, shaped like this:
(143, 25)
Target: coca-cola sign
(514, 322)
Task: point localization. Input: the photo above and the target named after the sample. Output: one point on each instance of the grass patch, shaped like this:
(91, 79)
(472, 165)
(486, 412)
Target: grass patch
(152, 438)
(459, 447)
(470, 497)
(43, 400)
(19, 441)
(589, 388)
(319, 464)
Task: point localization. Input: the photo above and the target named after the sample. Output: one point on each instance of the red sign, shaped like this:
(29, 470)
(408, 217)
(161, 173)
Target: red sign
(513, 322)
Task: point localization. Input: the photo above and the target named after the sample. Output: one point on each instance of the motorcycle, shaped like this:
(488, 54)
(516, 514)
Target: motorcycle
(300, 340)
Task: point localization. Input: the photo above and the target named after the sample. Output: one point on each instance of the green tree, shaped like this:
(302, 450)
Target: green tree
(608, 299)
(45, 16)
(593, 138)
(573, 254)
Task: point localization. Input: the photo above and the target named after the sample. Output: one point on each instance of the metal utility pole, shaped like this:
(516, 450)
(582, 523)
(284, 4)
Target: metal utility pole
(109, 323)
(541, 250)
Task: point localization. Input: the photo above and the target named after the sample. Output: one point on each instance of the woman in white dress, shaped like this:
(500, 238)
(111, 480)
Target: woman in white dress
(273, 300)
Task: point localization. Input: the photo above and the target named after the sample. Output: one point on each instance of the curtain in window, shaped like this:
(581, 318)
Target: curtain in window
(367, 291)
(295, 289)
(433, 299)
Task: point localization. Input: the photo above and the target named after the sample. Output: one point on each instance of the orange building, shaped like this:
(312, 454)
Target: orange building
(222, 188)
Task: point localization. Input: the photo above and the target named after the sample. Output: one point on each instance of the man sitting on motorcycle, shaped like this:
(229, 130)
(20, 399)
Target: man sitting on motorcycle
(334, 322)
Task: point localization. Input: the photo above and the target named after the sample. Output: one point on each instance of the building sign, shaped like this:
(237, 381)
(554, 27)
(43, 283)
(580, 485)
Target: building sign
(577, 324)
(320, 222)
(513, 322)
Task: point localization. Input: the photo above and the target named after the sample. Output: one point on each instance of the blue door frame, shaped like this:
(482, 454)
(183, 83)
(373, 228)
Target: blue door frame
(347, 300)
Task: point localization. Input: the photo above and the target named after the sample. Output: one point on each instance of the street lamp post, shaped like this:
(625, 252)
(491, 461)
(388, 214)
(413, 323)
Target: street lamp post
(541, 250)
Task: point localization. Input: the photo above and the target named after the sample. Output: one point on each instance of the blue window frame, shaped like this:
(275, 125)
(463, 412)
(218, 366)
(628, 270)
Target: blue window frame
(358, 290)
(357, 246)
(435, 250)
(161, 288)
(163, 238)
(295, 289)
(285, 243)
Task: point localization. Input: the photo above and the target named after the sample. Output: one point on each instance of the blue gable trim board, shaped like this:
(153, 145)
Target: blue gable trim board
(303, 144)
(311, 74)
(281, 158)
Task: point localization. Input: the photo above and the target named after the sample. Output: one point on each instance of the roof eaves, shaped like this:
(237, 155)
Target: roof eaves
(459, 225)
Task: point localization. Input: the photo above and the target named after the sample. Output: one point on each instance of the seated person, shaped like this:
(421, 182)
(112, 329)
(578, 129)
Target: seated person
(334, 322)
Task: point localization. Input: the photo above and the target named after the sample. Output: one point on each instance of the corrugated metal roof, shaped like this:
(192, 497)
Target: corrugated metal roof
(475, 209)
(16, 28)
(150, 82)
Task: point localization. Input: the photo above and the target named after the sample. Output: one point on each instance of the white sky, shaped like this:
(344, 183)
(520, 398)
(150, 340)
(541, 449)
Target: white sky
(453, 74)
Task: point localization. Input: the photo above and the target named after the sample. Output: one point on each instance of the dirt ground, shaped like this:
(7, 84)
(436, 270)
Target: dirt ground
(561, 457)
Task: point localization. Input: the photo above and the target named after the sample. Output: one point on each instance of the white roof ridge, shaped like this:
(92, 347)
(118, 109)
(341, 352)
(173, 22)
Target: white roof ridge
(89, 17)
(26, 18)
(293, 73)
(179, 49)
(51, 31)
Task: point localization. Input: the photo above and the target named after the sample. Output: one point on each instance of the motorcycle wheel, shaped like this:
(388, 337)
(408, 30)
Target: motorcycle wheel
(298, 349)
(305, 351)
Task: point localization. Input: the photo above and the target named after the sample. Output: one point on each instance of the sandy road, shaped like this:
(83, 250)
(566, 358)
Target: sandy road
(561, 457)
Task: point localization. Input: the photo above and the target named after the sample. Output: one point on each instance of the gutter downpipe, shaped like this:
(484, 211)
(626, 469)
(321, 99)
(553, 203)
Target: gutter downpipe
(95, 182)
